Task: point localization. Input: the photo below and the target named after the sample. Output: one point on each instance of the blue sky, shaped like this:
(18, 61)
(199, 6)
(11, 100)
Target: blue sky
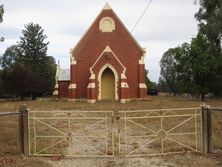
(166, 24)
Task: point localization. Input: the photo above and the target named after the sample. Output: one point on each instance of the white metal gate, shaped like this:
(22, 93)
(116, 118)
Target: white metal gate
(159, 132)
(71, 133)
(136, 133)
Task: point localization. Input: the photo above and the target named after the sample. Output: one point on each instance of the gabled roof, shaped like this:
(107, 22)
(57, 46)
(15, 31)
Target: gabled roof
(105, 8)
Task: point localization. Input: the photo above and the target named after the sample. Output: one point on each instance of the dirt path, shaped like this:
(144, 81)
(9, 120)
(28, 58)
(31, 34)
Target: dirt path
(112, 162)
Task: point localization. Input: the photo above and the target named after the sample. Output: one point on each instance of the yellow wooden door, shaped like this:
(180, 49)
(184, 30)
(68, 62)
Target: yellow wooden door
(108, 84)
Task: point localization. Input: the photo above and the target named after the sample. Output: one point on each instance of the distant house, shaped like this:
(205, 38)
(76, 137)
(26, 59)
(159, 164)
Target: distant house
(107, 63)
(62, 82)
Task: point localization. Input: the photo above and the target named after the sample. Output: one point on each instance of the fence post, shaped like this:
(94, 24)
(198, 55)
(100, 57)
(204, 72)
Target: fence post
(206, 123)
(23, 129)
(116, 131)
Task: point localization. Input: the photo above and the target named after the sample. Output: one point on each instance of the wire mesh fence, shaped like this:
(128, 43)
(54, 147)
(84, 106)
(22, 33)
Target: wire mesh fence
(9, 133)
(216, 130)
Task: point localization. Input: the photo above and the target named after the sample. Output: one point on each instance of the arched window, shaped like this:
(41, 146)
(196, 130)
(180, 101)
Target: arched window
(107, 24)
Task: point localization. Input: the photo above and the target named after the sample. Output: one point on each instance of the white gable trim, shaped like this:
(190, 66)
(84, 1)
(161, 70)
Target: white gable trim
(72, 58)
(108, 49)
(87, 30)
(128, 31)
(141, 61)
(107, 7)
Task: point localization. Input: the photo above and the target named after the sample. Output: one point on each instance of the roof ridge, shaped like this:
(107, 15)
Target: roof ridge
(107, 6)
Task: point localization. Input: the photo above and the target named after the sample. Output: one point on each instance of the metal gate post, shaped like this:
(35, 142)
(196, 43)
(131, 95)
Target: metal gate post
(206, 123)
(23, 129)
(116, 131)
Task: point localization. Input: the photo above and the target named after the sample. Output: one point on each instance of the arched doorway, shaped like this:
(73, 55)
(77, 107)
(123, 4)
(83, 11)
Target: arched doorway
(107, 84)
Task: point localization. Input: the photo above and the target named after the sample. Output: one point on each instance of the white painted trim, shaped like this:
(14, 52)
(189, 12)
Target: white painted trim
(124, 85)
(87, 30)
(108, 49)
(58, 71)
(141, 61)
(128, 31)
(123, 76)
(72, 86)
(71, 50)
(95, 21)
(92, 76)
(92, 101)
(144, 50)
(56, 92)
(72, 60)
(116, 79)
(123, 100)
(56, 86)
(105, 28)
(142, 85)
(107, 6)
(91, 85)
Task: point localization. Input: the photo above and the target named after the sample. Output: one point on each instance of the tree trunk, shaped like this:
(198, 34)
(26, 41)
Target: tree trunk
(202, 96)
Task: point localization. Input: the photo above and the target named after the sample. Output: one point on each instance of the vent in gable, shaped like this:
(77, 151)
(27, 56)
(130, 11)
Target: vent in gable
(107, 24)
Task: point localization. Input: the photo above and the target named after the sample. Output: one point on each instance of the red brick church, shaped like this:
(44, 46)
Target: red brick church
(107, 63)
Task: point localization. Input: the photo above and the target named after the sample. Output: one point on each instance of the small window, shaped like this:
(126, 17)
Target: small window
(107, 24)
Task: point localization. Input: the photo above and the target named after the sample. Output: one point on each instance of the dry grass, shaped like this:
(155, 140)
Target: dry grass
(150, 103)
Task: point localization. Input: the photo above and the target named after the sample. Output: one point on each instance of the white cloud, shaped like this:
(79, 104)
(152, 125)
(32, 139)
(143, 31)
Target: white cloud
(167, 23)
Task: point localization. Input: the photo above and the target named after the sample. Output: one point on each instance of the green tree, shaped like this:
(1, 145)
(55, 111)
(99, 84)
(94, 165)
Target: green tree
(148, 82)
(1, 18)
(9, 57)
(168, 73)
(210, 20)
(162, 86)
(196, 65)
(32, 50)
(32, 54)
(2, 91)
(7, 60)
(16, 81)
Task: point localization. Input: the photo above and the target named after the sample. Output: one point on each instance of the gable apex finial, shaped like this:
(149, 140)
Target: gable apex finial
(107, 6)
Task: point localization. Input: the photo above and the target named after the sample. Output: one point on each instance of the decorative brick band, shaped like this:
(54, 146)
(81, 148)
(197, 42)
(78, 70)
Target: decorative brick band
(91, 85)
(72, 86)
(124, 85)
(56, 92)
(142, 85)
